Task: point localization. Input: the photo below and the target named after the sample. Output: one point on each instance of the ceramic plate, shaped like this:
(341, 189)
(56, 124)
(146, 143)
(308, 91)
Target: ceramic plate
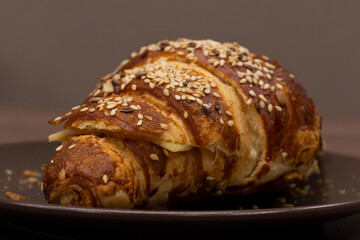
(334, 193)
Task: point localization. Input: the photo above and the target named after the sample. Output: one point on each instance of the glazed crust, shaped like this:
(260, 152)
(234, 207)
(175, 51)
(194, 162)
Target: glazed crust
(234, 122)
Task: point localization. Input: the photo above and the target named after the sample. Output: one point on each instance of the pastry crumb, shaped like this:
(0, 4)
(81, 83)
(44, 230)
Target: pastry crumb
(342, 191)
(14, 196)
(288, 205)
(32, 178)
(31, 173)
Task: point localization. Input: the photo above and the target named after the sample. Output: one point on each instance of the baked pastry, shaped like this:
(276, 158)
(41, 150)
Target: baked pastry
(181, 121)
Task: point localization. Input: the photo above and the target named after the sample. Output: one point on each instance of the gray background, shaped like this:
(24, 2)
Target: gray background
(52, 53)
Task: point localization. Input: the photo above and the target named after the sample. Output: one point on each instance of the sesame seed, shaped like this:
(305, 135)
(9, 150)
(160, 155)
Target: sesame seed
(252, 93)
(127, 110)
(210, 178)
(240, 74)
(279, 86)
(118, 99)
(278, 108)
(230, 123)
(166, 153)
(191, 98)
(95, 99)
(270, 107)
(154, 157)
(76, 107)
(216, 94)
(222, 55)
(177, 97)
(284, 154)
(59, 148)
(115, 83)
(113, 112)
(57, 119)
(166, 92)
(229, 113)
(206, 109)
(279, 79)
(140, 116)
(186, 114)
(133, 87)
(213, 84)
(269, 65)
(212, 60)
(84, 109)
(133, 54)
(249, 79)
(207, 91)
(249, 101)
(105, 179)
(259, 61)
(151, 85)
(222, 62)
(292, 75)
(116, 76)
(218, 107)
(164, 126)
(150, 75)
(261, 104)
(262, 97)
(71, 146)
(139, 123)
(268, 76)
(221, 121)
(148, 117)
(111, 105)
(266, 86)
(242, 81)
(199, 101)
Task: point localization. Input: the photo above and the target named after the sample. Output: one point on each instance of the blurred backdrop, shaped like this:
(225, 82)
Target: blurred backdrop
(52, 53)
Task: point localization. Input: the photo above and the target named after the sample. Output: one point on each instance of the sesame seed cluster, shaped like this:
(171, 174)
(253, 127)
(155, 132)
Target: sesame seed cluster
(251, 70)
(254, 73)
(180, 83)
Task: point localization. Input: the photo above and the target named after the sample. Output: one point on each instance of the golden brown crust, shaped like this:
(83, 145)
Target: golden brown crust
(200, 100)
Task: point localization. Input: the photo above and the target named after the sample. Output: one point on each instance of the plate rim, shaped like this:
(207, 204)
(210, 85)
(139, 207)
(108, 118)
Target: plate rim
(323, 211)
(311, 211)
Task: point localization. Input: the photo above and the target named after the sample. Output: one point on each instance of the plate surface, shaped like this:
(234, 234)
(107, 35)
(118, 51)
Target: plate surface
(334, 193)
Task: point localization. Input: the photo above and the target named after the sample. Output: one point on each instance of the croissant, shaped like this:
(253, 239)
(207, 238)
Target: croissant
(181, 121)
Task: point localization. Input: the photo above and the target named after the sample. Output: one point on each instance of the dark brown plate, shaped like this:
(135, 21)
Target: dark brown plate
(334, 193)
